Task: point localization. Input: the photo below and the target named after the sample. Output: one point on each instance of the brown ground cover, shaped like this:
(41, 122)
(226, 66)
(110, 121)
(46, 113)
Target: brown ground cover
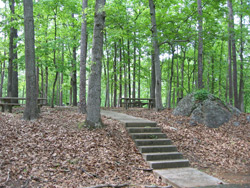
(58, 151)
(222, 152)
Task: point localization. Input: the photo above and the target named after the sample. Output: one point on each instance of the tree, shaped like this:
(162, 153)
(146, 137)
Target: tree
(93, 118)
(232, 38)
(200, 48)
(12, 70)
(83, 59)
(31, 109)
(158, 99)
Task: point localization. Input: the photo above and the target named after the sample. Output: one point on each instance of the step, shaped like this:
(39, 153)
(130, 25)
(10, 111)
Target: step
(148, 142)
(162, 156)
(147, 135)
(157, 149)
(140, 124)
(177, 163)
(144, 130)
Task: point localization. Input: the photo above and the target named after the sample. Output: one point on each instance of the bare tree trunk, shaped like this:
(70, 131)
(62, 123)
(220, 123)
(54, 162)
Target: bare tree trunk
(125, 74)
(134, 66)
(61, 80)
(232, 37)
(230, 87)
(54, 61)
(37, 78)
(182, 73)
(129, 75)
(241, 89)
(74, 80)
(83, 60)
(31, 109)
(120, 93)
(171, 77)
(93, 118)
(152, 86)
(213, 78)
(221, 56)
(107, 100)
(158, 98)
(2, 77)
(200, 48)
(139, 74)
(115, 77)
(177, 79)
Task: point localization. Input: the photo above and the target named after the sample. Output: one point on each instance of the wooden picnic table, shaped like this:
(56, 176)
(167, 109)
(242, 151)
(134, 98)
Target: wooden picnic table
(6, 102)
(137, 102)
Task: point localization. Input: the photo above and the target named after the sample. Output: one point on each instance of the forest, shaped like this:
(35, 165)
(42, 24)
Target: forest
(168, 48)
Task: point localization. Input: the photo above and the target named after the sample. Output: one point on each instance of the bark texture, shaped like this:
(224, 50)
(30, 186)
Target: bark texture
(31, 109)
(200, 48)
(158, 99)
(93, 118)
(83, 60)
(232, 38)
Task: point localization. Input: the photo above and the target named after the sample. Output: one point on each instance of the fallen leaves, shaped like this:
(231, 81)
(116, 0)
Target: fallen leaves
(55, 151)
(225, 149)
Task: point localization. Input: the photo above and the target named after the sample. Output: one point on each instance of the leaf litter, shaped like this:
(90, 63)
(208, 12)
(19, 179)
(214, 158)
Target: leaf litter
(223, 152)
(57, 150)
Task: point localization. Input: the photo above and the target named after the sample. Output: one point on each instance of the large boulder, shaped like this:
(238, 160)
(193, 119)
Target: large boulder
(205, 108)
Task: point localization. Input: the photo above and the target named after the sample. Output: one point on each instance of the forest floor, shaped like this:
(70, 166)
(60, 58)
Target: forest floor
(57, 150)
(223, 152)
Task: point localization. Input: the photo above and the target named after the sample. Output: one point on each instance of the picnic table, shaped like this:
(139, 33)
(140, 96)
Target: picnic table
(137, 102)
(7, 102)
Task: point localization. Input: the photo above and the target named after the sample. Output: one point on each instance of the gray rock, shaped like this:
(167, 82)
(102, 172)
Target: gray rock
(236, 123)
(248, 119)
(193, 123)
(211, 111)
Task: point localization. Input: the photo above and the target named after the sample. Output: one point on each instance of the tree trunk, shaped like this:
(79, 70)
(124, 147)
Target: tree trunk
(134, 66)
(129, 75)
(182, 73)
(177, 79)
(83, 60)
(115, 77)
(61, 80)
(93, 118)
(158, 99)
(2, 76)
(200, 48)
(171, 77)
(54, 61)
(241, 89)
(74, 80)
(230, 86)
(220, 68)
(107, 100)
(232, 38)
(152, 86)
(31, 109)
(12, 69)
(120, 93)
(213, 78)
(139, 74)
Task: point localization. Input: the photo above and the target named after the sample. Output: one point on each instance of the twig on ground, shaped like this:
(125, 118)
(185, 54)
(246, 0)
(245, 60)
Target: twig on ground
(8, 177)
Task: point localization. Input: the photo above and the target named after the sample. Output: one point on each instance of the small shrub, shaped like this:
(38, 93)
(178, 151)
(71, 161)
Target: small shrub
(201, 95)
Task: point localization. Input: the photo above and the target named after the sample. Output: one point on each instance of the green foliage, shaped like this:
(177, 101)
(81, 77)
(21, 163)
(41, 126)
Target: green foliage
(201, 95)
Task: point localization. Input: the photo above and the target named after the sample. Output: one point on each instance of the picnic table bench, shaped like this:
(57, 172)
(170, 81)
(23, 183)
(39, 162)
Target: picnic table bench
(137, 102)
(6, 102)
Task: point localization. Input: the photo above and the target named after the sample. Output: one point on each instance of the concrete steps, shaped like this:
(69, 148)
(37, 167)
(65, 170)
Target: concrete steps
(169, 166)
(155, 147)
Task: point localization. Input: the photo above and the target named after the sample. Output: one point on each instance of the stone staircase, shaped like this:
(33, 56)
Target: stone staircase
(154, 146)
